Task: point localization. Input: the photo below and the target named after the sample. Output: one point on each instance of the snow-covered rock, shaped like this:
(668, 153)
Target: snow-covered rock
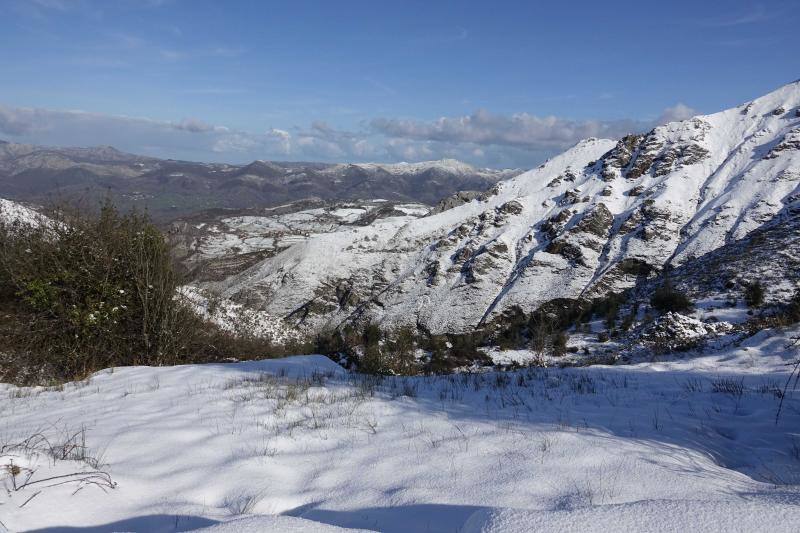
(674, 331)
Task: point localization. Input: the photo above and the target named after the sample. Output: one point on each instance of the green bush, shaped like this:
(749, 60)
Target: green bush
(560, 340)
(666, 299)
(511, 332)
(372, 349)
(401, 345)
(791, 313)
(438, 362)
(754, 294)
(83, 291)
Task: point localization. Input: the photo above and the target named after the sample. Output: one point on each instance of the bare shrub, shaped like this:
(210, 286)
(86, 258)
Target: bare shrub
(68, 445)
(242, 503)
(730, 386)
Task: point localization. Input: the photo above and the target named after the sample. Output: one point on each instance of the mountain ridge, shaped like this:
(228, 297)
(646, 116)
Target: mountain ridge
(170, 189)
(592, 220)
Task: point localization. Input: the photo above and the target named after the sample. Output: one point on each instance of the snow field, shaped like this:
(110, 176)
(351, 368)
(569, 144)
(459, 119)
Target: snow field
(299, 444)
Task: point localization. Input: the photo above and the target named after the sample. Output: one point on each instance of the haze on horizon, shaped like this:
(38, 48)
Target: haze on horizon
(505, 85)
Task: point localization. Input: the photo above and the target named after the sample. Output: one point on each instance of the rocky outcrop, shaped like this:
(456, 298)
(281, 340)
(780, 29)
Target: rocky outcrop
(597, 221)
(454, 200)
(676, 332)
(791, 141)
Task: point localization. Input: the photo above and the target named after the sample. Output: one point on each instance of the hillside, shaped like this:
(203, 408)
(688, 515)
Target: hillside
(598, 218)
(214, 245)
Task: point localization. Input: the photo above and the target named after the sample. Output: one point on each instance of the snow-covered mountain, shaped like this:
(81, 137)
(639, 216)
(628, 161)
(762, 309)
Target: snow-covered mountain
(594, 219)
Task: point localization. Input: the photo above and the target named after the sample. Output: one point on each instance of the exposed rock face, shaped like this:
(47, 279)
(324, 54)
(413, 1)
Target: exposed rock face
(603, 216)
(454, 200)
(618, 159)
(598, 221)
(512, 207)
(568, 251)
(791, 141)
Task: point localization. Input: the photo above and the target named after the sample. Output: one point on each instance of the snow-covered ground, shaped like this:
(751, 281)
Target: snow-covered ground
(299, 444)
(15, 213)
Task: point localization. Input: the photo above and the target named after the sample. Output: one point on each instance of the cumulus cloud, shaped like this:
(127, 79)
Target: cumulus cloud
(481, 138)
(521, 129)
(321, 140)
(192, 125)
(235, 142)
(188, 137)
(405, 150)
(272, 142)
(13, 122)
(677, 112)
(521, 139)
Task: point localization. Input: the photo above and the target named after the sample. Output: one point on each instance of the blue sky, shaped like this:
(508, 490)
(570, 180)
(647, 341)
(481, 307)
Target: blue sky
(494, 83)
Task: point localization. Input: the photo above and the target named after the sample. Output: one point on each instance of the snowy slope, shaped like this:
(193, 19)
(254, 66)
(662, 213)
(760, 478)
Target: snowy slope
(769, 255)
(586, 222)
(218, 244)
(299, 444)
(14, 213)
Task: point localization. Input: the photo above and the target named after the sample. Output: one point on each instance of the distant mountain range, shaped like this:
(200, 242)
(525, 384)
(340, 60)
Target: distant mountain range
(170, 189)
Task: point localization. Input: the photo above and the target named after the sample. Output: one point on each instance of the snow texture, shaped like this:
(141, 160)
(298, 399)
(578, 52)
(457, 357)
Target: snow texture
(13, 213)
(300, 444)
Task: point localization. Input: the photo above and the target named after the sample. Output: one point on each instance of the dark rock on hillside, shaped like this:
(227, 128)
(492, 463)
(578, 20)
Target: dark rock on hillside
(597, 221)
(454, 200)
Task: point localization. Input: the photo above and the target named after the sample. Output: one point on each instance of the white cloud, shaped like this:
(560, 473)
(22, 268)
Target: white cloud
(521, 129)
(757, 13)
(677, 112)
(192, 125)
(520, 139)
(273, 142)
(482, 138)
(234, 142)
(15, 121)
